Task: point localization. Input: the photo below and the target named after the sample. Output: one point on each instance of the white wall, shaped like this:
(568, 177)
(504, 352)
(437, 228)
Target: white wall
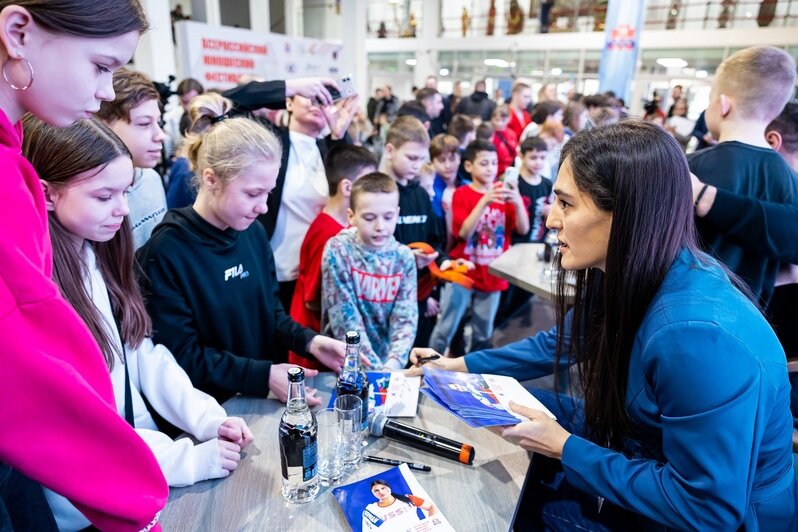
(321, 21)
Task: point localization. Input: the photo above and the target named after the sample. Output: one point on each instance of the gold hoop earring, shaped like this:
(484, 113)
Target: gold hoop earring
(8, 81)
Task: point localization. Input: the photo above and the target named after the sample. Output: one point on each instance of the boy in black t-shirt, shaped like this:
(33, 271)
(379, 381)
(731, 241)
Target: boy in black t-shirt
(750, 89)
(534, 188)
(406, 150)
(535, 191)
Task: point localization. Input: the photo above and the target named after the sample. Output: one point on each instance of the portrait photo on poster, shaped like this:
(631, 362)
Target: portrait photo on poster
(390, 501)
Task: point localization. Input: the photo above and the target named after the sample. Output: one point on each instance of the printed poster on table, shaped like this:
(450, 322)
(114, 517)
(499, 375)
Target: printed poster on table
(392, 501)
(393, 392)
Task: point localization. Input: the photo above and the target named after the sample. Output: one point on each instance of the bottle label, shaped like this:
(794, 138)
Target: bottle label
(300, 467)
(309, 462)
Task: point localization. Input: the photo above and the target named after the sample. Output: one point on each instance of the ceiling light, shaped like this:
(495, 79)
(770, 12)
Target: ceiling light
(672, 62)
(498, 63)
(556, 71)
(701, 74)
(410, 62)
(444, 72)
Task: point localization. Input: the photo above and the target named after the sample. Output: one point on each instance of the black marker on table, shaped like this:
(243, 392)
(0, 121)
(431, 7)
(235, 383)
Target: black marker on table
(390, 461)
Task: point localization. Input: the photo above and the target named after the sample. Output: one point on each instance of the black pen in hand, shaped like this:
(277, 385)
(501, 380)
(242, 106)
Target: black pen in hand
(430, 358)
(390, 461)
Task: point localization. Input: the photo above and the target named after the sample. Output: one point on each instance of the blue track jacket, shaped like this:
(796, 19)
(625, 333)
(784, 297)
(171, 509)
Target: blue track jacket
(708, 389)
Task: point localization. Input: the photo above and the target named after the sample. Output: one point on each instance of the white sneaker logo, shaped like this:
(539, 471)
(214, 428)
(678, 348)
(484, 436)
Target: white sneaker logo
(235, 271)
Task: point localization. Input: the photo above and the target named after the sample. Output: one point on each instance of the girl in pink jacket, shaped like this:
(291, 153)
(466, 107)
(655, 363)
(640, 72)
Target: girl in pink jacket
(61, 428)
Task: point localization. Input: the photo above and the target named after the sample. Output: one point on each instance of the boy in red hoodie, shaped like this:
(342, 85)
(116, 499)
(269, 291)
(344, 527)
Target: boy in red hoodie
(344, 164)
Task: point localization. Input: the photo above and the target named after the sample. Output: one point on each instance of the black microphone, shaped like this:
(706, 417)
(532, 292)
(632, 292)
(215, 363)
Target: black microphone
(454, 450)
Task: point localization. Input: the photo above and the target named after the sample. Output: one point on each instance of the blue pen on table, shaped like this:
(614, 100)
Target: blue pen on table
(390, 461)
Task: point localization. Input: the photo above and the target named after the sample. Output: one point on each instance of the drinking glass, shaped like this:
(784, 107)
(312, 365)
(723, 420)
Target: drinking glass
(350, 409)
(330, 448)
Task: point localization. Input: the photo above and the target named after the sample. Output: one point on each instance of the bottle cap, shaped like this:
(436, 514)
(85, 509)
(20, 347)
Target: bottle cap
(296, 374)
(352, 337)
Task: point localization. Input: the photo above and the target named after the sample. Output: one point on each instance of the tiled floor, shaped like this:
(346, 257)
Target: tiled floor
(539, 315)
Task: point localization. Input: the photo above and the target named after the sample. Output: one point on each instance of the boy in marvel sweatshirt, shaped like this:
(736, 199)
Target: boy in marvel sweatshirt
(369, 279)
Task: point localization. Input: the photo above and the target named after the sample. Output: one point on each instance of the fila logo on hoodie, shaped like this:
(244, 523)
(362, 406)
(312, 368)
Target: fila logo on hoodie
(235, 271)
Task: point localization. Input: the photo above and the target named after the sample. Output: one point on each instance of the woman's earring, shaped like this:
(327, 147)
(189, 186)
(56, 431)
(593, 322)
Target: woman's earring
(10, 83)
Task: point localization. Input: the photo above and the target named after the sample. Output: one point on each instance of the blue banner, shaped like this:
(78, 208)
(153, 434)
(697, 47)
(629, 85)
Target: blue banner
(623, 25)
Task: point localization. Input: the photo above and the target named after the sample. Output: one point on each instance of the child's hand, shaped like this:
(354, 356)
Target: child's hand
(491, 195)
(278, 382)
(499, 192)
(235, 430)
(328, 351)
(458, 265)
(433, 307)
(230, 454)
(513, 195)
(467, 263)
(423, 259)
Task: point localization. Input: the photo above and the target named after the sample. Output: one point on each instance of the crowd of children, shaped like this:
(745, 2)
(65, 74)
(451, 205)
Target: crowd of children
(285, 238)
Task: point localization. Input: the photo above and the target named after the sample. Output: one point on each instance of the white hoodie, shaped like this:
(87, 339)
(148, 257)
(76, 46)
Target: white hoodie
(155, 374)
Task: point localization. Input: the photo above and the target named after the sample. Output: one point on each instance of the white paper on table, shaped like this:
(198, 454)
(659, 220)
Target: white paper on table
(508, 389)
(402, 400)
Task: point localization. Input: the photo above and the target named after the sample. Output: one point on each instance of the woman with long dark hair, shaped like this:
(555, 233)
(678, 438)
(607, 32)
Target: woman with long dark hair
(684, 417)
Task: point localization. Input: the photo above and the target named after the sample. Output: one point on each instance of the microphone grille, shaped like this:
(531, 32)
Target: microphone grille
(377, 423)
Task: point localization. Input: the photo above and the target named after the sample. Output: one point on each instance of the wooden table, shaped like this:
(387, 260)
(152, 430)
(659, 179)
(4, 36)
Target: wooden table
(480, 497)
(520, 266)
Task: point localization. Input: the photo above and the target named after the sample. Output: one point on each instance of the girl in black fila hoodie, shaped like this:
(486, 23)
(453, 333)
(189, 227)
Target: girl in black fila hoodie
(208, 269)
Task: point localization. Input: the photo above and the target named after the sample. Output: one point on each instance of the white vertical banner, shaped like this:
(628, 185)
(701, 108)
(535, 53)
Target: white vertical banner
(618, 64)
(218, 56)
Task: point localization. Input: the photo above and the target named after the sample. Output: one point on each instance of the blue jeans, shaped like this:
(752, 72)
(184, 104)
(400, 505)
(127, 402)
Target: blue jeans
(549, 502)
(455, 300)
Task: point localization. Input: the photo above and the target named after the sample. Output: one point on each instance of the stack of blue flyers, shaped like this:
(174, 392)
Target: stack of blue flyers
(481, 400)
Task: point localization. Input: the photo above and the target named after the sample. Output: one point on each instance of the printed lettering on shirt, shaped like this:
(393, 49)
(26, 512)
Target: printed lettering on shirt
(413, 219)
(487, 242)
(402, 509)
(536, 219)
(376, 288)
(235, 271)
(373, 519)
